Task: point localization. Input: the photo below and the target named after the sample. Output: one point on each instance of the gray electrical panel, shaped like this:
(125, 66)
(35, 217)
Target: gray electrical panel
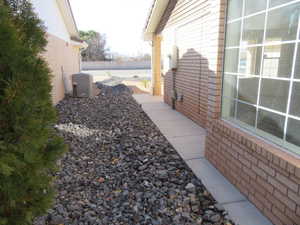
(82, 85)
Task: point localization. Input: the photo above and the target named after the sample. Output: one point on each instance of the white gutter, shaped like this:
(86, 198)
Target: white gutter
(157, 12)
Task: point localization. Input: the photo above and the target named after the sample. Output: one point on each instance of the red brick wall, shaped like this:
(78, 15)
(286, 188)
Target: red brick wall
(266, 174)
(187, 22)
(269, 177)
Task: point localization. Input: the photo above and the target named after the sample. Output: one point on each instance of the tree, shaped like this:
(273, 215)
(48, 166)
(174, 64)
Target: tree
(97, 50)
(29, 146)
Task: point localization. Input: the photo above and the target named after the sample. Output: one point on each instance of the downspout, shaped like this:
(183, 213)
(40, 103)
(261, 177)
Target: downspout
(174, 92)
(175, 58)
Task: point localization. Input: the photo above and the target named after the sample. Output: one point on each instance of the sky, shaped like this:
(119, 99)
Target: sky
(121, 20)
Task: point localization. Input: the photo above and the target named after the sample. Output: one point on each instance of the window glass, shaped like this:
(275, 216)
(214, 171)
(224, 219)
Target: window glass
(250, 60)
(246, 113)
(282, 23)
(235, 8)
(233, 34)
(295, 100)
(229, 86)
(297, 67)
(248, 87)
(231, 60)
(228, 108)
(274, 94)
(278, 60)
(278, 2)
(254, 6)
(258, 66)
(293, 134)
(271, 123)
(253, 31)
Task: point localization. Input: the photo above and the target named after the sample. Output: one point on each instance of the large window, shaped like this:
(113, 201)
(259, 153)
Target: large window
(261, 82)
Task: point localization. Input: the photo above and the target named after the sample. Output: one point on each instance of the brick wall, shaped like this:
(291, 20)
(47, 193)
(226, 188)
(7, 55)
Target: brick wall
(269, 177)
(266, 174)
(186, 23)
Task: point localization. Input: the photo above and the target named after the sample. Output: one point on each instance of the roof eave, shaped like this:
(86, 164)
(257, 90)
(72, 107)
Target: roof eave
(79, 44)
(154, 18)
(67, 13)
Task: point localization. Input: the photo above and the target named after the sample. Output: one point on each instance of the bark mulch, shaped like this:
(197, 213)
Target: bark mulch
(120, 170)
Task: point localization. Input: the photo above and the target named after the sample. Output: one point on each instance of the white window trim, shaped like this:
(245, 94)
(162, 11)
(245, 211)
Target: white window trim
(264, 44)
(262, 11)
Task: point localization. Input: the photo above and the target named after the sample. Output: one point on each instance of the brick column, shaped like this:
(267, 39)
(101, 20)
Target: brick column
(217, 36)
(156, 65)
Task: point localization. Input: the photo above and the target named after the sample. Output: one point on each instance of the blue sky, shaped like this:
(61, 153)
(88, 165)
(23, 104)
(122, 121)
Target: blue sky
(121, 20)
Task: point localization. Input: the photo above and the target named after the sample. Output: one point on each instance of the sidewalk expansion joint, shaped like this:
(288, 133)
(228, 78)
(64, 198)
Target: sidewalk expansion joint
(201, 157)
(232, 202)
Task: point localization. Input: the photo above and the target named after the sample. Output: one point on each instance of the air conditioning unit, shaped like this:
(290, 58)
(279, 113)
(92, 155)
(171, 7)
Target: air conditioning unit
(82, 85)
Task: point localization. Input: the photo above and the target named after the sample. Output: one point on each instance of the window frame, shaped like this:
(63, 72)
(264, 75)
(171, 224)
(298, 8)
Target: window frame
(281, 142)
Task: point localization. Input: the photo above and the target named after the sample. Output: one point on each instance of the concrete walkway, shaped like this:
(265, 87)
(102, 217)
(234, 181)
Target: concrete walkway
(189, 140)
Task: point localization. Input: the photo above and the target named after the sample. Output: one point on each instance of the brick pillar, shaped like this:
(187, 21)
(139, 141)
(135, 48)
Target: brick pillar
(217, 37)
(156, 65)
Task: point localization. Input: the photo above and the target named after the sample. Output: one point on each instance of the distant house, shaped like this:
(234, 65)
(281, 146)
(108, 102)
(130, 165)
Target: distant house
(64, 44)
(233, 66)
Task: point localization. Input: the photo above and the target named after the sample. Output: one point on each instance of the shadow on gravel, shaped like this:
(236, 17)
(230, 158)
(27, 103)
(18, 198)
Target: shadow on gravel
(121, 170)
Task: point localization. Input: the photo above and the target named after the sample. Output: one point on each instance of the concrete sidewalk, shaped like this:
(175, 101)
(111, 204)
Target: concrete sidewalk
(189, 140)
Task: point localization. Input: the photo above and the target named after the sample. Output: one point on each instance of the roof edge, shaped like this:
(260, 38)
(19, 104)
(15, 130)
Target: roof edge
(67, 13)
(156, 13)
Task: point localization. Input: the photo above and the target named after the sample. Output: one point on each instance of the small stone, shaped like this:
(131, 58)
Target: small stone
(199, 221)
(215, 218)
(141, 168)
(219, 207)
(193, 198)
(60, 209)
(177, 218)
(163, 174)
(195, 208)
(190, 187)
(178, 210)
(101, 180)
(57, 220)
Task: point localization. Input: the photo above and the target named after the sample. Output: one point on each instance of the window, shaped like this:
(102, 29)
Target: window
(261, 81)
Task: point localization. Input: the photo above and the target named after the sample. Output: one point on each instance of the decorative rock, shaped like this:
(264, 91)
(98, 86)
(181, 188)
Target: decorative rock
(199, 221)
(121, 170)
(163, 174)
(219, 207)
(190, 187)
(215, 218)
(57, 220)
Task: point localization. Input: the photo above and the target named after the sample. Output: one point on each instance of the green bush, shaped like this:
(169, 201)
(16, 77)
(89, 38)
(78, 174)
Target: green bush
(29, 147)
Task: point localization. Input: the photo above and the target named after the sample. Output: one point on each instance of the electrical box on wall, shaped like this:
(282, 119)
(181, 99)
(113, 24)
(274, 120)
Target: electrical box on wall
(174, 59)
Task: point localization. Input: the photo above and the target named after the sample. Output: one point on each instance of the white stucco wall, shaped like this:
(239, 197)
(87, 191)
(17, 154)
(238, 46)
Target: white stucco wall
(49, 12)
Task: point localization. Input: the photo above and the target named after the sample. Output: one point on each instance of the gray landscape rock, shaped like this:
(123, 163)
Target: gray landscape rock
(190, 187)
(121, 170)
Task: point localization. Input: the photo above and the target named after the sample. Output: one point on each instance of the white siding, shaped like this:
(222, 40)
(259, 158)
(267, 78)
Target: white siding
(49, 12)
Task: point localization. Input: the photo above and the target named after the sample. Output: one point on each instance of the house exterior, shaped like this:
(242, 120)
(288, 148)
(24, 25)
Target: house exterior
(233, 67)
(63, 49)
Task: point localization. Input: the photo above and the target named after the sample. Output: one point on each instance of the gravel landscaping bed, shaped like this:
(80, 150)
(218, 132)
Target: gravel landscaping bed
(120, 170)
